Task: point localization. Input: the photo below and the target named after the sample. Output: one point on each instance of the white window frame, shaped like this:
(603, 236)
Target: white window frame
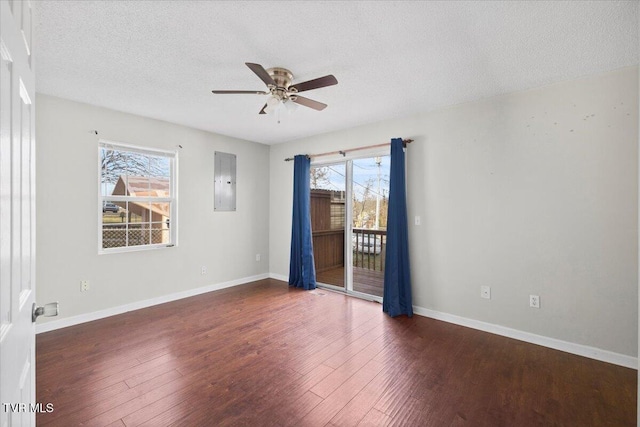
(172, 200)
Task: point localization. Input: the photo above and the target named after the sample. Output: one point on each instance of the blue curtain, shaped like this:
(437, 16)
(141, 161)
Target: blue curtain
(302, 271)
(397, 278)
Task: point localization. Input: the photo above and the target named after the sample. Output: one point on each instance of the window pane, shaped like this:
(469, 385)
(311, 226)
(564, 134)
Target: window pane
(137, 186)
(159, 233)
(112, 212)
(137, 212)
(160, 212)
(160, 173)
(161, 222)
(137, 167)
(159, 166)
(113, 165)
(138, 234)
(160, 186)
(114, 236)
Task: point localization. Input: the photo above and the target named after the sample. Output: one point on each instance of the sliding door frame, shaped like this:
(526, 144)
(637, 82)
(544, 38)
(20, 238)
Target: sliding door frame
(348, 229)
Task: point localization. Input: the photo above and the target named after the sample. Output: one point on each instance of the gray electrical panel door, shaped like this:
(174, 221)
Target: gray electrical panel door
(224, 186)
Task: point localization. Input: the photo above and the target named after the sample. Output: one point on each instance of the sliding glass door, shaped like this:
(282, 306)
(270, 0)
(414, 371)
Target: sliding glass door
(328, 219)
(348, 219)
(369, 202)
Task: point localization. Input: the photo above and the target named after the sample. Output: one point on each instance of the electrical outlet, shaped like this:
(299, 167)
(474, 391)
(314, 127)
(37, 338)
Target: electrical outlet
(257, 257)
(534, 301)
(418, 221)
(84, 285)
(485, 292)
(203, 270)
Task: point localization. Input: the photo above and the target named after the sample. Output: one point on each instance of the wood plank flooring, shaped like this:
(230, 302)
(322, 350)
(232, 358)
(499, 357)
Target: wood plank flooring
(264, 354)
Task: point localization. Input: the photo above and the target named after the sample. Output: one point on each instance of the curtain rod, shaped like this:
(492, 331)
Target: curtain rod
(344, 152)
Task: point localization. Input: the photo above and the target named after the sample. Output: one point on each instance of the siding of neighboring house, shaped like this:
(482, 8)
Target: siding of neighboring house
(147, 218)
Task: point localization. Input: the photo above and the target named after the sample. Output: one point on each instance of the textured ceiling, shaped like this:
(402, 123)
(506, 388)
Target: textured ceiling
(161, 59)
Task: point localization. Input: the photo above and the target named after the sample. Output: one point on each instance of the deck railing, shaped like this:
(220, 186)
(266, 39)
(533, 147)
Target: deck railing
(369, 248)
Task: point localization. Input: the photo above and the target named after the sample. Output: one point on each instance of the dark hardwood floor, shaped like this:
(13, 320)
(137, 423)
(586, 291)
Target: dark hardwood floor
(266, 354)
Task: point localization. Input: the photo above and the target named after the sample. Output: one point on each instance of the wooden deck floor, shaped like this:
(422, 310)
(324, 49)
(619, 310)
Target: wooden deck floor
(264, 354)
(367, 281)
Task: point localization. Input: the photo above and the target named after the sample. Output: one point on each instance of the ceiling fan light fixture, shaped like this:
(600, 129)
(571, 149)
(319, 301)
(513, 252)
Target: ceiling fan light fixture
(290, 106)
(272, 101)
(272, 104)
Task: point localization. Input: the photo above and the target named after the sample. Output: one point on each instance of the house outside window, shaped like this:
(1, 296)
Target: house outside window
(137, 204)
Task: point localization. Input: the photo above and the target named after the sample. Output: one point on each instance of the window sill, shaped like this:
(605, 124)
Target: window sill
(102, 251)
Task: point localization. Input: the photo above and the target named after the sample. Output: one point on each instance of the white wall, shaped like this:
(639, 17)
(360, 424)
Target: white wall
(638, 393)
(530, 193)
(67, 233)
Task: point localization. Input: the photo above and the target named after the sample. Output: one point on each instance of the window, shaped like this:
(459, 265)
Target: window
(137, 197)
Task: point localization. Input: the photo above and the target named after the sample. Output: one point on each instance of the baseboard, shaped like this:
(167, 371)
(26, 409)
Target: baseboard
(569, 347)
(279, 277)
(101, 314)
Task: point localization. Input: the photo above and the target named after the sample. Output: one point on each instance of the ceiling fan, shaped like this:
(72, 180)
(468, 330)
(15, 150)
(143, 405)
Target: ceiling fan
(280, 89)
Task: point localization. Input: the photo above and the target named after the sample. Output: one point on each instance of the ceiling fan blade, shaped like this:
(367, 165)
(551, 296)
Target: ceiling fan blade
(248, 92)
(263, 108)
(329, 80)
(309, 103)
(262, 73)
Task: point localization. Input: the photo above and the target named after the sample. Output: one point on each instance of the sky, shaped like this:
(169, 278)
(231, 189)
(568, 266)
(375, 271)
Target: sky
(363, 170)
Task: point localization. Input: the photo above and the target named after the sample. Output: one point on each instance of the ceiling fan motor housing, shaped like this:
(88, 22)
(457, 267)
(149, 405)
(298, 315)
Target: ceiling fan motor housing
(283, 79)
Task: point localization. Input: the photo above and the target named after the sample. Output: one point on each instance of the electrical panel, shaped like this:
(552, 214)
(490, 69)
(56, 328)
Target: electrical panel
(224, 186)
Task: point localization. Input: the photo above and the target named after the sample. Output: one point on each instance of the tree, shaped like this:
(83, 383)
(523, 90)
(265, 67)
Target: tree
(114, 163)
(364, 205)
(320, 177)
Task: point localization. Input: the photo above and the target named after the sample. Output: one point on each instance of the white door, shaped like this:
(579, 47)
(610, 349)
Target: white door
(17, 215)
